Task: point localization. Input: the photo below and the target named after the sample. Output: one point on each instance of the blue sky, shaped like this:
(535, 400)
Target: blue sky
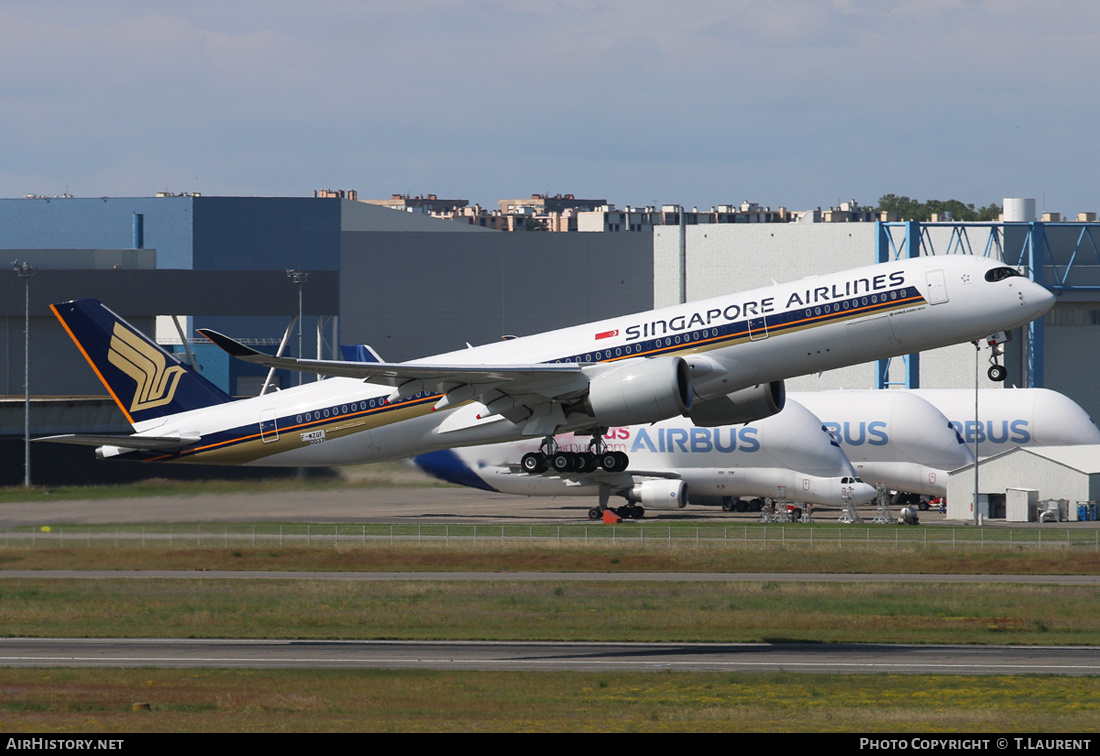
(802, 103)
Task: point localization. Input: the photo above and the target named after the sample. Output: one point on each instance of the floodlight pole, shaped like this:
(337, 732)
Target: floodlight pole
(26, 272)
(977, 429)
(299, 278)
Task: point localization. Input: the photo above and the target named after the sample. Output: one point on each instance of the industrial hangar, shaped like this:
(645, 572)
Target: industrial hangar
(412, 285)
(1023, 483)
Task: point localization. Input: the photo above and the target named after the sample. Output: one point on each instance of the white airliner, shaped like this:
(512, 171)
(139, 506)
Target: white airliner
(674, 463)
(912, 439)
(1010, 417)
(719, 362)
(892, 436)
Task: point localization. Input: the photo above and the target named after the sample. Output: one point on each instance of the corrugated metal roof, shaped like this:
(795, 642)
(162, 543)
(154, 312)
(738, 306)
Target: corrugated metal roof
(1083, 458)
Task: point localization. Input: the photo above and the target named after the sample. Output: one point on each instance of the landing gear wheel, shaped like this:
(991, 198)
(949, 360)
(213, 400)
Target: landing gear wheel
(614, 461)
(997, 373)
(595, 513)
(563, 462)
(533, 463)
(588, 462)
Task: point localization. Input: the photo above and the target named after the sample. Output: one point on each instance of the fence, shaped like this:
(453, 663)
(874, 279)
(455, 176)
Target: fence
(333, 536)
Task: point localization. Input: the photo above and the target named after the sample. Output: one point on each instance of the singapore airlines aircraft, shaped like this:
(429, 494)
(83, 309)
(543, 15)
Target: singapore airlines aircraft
(674, 463)
(719, 362)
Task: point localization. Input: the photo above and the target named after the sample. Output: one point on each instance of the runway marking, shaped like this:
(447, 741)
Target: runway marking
(175, 661)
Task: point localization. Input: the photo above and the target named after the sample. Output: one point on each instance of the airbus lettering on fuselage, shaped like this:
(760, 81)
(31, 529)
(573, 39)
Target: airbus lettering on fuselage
(857, 434)
(875, 432)
(765, 306)
(696, 440)
(1016, 431)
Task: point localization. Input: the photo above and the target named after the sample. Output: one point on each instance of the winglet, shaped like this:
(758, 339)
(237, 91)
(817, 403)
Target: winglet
(234, 348)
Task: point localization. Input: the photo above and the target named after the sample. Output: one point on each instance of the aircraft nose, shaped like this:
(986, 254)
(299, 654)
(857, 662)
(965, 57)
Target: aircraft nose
(1039, 298)
(447, 466)
(1035, 298)
(863, 493)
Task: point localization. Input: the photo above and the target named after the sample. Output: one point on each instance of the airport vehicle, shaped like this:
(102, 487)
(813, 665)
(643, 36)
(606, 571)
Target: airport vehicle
(674, 463)
(719, 361)
(892, 437)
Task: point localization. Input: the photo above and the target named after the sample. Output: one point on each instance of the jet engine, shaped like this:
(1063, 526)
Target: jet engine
(744, 406)
(660, 494)
(640, 391)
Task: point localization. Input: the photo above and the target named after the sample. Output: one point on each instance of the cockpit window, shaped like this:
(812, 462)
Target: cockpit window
(1000, 274)
(958, 434)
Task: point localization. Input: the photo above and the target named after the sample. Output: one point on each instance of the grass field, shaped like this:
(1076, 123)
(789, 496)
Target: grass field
(102, 701)
(188, 549)
(80, 700)
(630, 611)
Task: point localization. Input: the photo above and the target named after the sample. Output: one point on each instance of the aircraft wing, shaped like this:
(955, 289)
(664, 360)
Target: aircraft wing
(510, 390)
(150, 443)
(394, 373)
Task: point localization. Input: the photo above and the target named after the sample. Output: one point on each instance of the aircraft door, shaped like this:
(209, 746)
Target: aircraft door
(937, 287)
(269, 426)
(758, 328)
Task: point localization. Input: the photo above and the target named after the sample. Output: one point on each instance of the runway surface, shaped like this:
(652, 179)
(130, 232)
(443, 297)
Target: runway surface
(525, 656)
(375, 504)
(603, 577)
(408, 501)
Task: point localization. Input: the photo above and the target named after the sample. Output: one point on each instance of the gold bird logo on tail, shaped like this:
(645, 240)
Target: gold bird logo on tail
(156, 383)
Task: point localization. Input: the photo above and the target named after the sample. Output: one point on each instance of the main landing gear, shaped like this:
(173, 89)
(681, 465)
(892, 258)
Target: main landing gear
(549, 457)
(629, 511)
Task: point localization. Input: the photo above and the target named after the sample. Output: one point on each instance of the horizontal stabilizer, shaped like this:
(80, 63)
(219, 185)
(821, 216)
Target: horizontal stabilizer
(150, 443)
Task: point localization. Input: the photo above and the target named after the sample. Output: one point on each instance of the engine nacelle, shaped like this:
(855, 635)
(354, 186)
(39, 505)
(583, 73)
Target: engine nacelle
(744, 406)
(640, 391)
(660, 494)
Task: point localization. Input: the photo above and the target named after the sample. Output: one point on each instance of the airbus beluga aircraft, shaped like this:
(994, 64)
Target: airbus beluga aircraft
(719, 361)
(892, 437)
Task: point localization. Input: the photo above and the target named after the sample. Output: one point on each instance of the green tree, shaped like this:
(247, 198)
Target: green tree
(910, 209)
(906, 208)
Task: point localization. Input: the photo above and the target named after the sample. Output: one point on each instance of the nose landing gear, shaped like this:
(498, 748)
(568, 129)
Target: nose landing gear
(997, 372)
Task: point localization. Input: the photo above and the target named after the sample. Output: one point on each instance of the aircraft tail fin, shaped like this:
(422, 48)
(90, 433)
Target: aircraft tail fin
(146, 381)
(359, 353)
